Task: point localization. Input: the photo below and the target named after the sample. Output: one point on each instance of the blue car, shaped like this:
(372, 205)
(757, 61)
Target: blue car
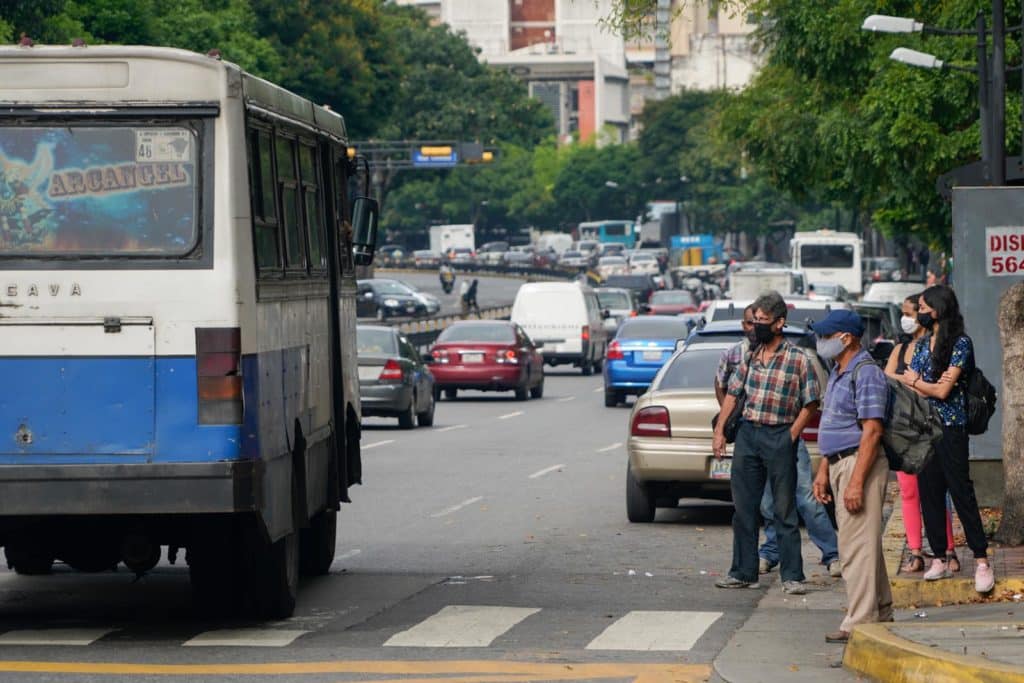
(640, 348)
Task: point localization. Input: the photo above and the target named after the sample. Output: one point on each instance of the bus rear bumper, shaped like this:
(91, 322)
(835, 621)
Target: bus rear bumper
(115, 489)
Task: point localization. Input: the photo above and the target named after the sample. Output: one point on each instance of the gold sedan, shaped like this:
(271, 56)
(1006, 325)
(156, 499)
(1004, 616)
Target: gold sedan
(670, 435)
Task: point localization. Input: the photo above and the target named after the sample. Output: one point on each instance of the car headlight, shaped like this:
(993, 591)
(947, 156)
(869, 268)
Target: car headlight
(391, 303)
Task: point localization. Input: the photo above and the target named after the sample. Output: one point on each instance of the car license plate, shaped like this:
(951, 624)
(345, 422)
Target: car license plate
(721, 469)
(472, 358)
(410, 309)
(652, 355)
(369, 373)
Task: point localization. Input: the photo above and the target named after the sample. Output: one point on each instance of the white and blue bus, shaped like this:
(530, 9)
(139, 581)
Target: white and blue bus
(177, 320)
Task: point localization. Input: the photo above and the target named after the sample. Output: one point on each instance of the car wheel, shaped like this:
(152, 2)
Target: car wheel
(521, 393)
(538, 391)
(426, 418)
(407, 420)
(450, 394)
(639, 501)
(599, 365)
(611, 398)
(380, 314)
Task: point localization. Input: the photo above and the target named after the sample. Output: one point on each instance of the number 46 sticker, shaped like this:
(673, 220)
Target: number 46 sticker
(161, 145)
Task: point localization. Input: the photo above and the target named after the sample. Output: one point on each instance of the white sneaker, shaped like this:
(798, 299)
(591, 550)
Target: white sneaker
(763, 566)
(835, 569)
(984, 578)
(937, 571)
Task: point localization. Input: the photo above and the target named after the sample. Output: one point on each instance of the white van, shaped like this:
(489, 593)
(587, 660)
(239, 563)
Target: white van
(566, 318)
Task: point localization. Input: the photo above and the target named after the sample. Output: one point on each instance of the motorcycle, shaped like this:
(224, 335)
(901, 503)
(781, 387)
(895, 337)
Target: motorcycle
(447, 281)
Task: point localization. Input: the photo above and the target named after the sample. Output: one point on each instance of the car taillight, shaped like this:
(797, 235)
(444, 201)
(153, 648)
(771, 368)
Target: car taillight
(392, 371)
(615, 351)
(651, 421)
(219, 375)
(441, 356)
(507, 356)
(585, 334)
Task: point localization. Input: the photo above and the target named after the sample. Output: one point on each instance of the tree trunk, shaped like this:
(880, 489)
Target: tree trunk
(1011, 331)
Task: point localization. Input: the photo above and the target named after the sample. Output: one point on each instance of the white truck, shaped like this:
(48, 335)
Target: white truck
(829, 256)
(445, 237)
(750, 284)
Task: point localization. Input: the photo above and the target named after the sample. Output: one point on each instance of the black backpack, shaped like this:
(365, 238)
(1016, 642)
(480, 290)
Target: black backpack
(980, 397)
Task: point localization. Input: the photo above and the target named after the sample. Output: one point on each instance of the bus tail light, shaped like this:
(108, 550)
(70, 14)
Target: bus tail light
(651, 421)
(219, 374)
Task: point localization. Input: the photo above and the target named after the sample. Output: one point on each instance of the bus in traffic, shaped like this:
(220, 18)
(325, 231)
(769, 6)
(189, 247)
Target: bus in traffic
(609, 232)
(829, 257)
(178, 243)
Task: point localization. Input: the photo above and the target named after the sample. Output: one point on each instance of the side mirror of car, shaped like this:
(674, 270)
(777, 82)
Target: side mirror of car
(605, 314)
(368, 295)
(680, 343)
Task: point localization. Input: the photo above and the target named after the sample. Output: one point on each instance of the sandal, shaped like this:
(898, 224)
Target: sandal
(914, 564)
(952, 562)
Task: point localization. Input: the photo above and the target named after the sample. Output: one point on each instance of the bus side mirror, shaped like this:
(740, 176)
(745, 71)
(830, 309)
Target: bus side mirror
(365, 212)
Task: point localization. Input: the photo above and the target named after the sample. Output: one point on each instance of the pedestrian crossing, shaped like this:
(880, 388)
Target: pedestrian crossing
(453, 626)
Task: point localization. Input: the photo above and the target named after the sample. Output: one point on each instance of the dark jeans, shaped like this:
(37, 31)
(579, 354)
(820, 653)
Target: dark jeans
(949, 470)
(763, 454)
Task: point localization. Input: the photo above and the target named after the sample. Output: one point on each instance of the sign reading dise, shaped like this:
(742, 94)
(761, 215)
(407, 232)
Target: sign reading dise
(1004, 251)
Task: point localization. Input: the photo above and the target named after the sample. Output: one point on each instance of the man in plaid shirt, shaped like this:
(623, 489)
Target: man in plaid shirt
(782, 394)
(732, 356)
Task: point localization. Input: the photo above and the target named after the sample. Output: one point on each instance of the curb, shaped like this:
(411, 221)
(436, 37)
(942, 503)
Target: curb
(874, 650)
(911, 593)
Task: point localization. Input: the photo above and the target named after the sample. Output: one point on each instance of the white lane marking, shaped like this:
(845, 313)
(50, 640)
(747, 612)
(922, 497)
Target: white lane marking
(55, 636)
(450, 429)
(461, 626)
(566, 399)
(456, 508)
(510, 415)
(348, 554)
(377, 443)
(655, 631)
(546, 470)
(245, 637)
(610, 448)
(598, 390)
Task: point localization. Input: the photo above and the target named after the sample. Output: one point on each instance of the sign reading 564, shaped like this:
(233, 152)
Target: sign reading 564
(1004, 250)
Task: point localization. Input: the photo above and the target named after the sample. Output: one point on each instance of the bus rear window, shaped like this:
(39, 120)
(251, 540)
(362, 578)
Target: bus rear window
(98, 191)
(826, 256)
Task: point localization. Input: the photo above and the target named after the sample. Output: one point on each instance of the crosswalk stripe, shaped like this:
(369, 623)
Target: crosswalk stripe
(245, 637)
(461, 626)
(55, 636)
(655, 631)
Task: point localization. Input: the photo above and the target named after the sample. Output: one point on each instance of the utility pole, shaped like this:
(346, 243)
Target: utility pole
(998, 101)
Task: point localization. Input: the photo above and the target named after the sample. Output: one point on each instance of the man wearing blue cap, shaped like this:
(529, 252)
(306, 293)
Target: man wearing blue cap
(849, 437)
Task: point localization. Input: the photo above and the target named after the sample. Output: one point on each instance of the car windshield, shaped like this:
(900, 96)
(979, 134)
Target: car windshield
(692, 369)
(651, 328)
(109, 190)
(374, 341)
(588, 245)
(488, 333)
(796, 317)
(630, 281)
(614, 299)
(391, 287)
(424, 254)
(676, 297)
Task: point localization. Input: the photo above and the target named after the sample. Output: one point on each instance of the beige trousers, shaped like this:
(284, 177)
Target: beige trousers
(868, 595)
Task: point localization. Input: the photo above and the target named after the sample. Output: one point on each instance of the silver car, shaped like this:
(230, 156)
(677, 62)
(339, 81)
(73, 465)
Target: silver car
(393, 379)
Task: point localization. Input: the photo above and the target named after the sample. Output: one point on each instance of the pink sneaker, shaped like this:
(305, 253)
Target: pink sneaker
(938, 571)
(984, 578)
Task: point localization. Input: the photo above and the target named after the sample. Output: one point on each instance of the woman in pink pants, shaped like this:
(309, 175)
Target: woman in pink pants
(911, 499)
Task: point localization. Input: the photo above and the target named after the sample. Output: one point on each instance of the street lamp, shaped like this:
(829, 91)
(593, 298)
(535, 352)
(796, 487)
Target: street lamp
(611, 183)
(910, 57)
(991, 89)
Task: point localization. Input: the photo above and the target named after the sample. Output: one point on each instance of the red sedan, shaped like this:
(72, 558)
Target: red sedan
(672, 302)
(486, 355)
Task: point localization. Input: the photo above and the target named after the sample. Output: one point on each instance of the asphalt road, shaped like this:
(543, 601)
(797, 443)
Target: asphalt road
(491, 290)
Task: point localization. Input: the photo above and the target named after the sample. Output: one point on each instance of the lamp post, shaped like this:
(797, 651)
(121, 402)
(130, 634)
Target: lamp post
(991, 76)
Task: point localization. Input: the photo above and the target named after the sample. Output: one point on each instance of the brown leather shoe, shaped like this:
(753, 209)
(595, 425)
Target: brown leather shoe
(841, 637)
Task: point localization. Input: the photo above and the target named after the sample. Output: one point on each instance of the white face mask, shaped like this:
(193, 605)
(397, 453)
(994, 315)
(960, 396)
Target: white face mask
(909, 324)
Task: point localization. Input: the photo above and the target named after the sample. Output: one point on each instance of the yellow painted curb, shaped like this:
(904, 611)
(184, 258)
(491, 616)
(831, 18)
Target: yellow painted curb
(874, 650)
(918, 593)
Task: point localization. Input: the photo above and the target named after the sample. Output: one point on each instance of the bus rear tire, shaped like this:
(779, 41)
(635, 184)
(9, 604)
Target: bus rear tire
(318, 543)
(273, 577)
(28, 560)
